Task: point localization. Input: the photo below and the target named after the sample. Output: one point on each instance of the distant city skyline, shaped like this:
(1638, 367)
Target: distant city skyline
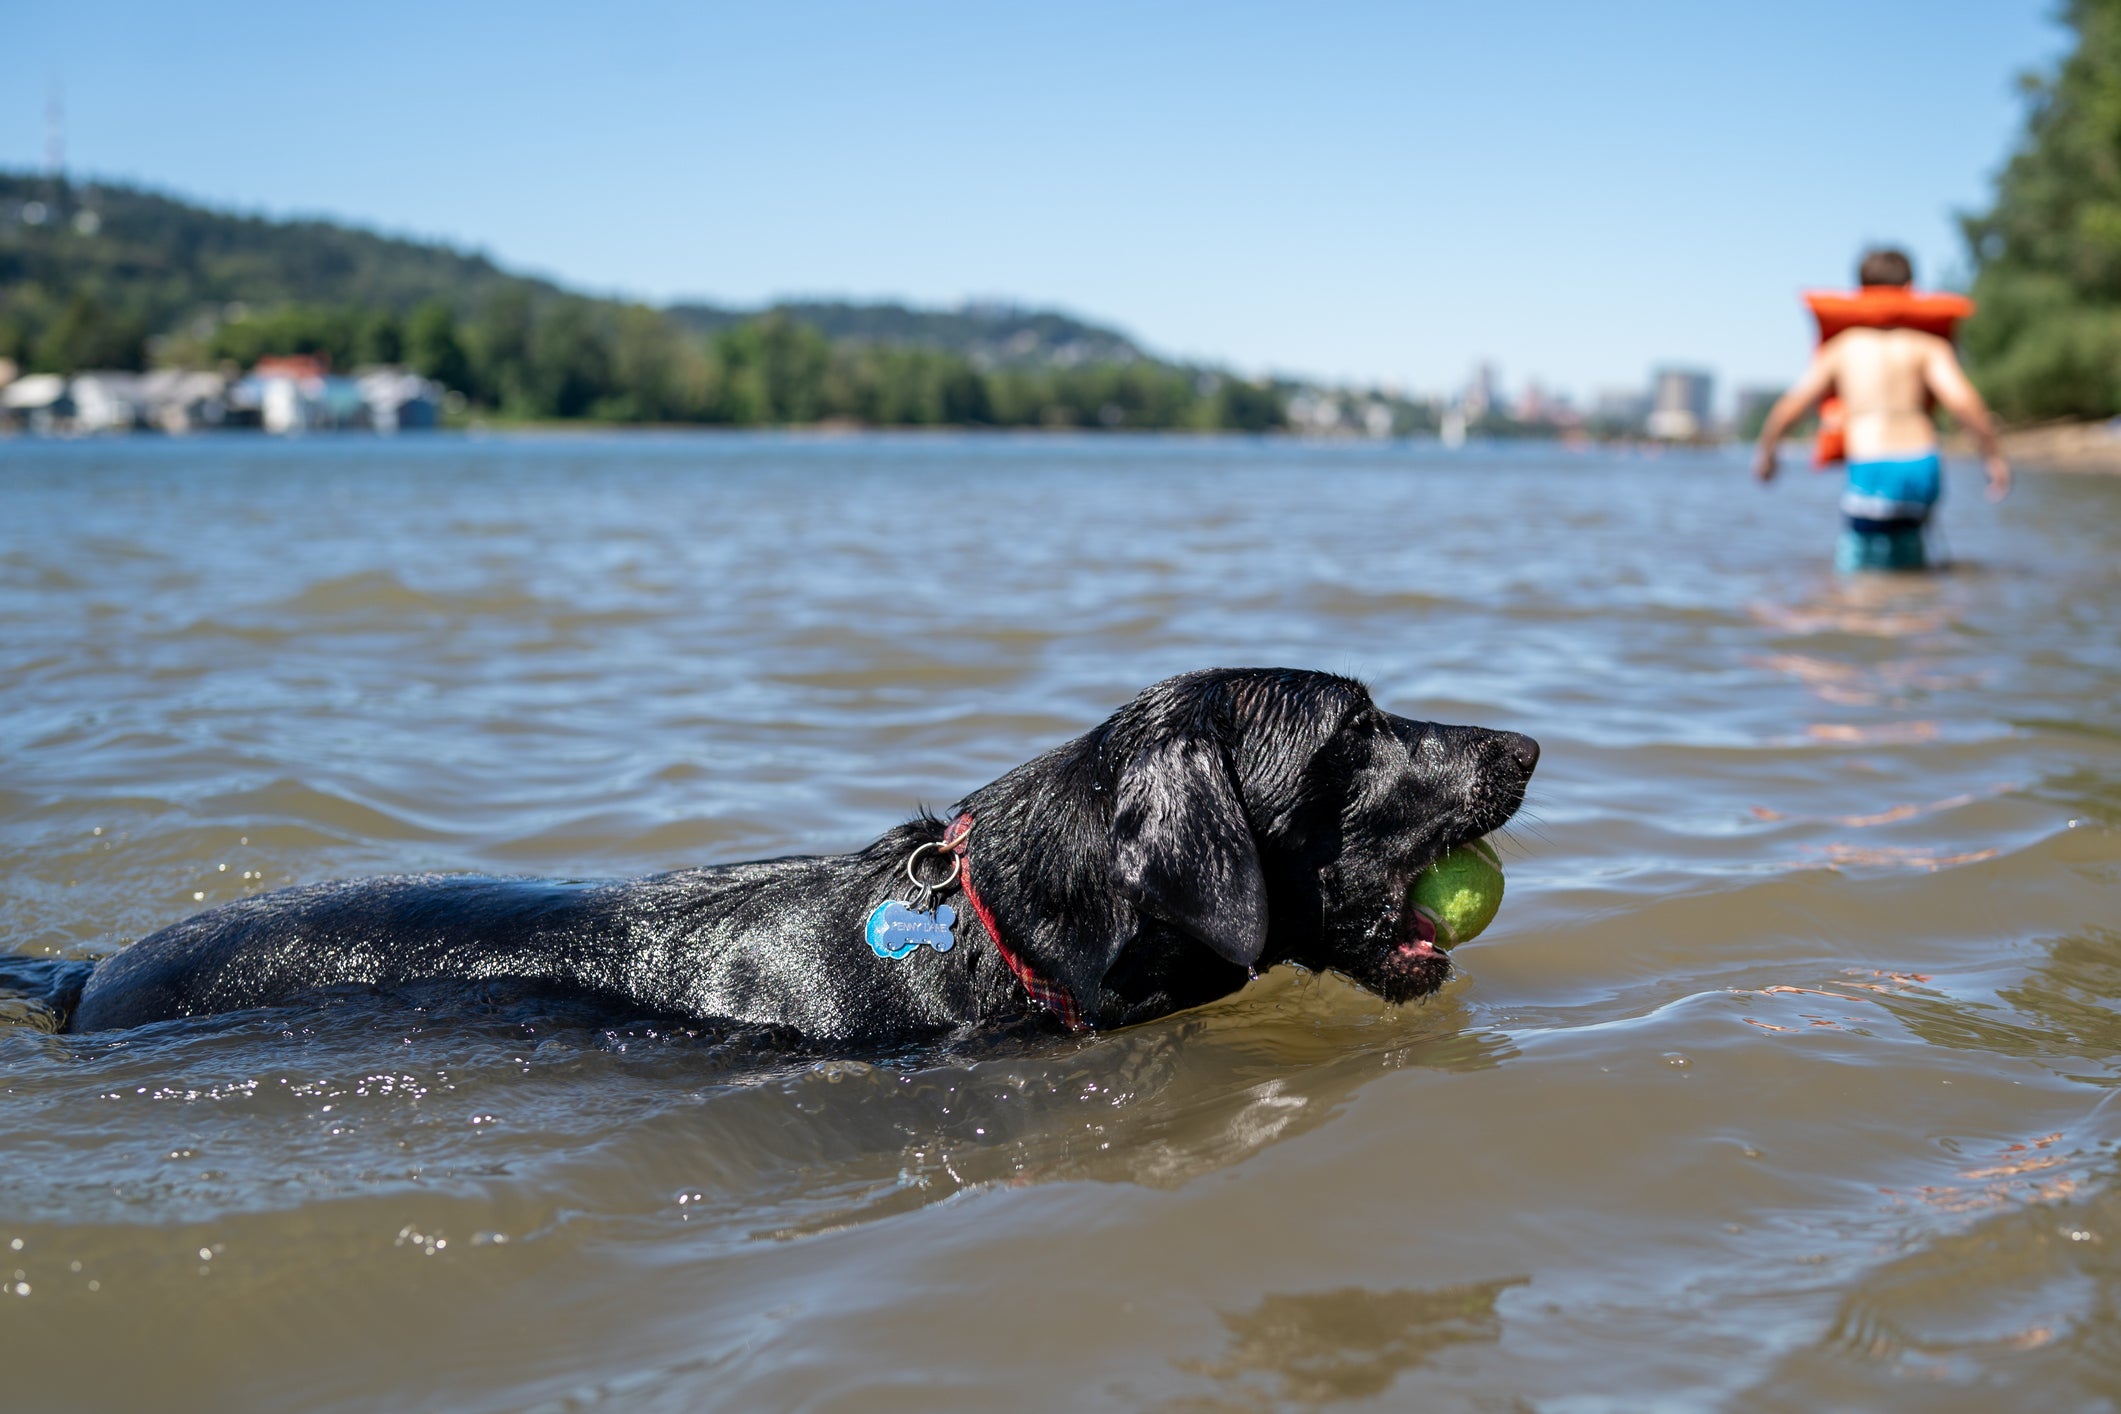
(1375, 194)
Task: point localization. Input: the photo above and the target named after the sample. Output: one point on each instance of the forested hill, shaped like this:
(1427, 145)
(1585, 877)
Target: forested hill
(119, 276)
(147, 262)
(158, 258)
(995, 335)
(113, 276)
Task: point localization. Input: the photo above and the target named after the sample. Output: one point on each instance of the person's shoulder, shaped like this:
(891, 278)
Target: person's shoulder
(1856, 338)
(1848, 341)
(1915, 348)
(1883, 343)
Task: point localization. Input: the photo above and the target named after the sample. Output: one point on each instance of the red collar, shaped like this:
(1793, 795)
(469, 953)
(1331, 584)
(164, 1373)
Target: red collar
(1050, 995)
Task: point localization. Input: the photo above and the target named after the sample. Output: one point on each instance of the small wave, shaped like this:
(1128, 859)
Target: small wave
(341, 816)
(382, 595)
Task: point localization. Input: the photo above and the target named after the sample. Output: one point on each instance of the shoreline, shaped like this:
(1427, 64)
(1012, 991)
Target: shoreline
(2081, 448)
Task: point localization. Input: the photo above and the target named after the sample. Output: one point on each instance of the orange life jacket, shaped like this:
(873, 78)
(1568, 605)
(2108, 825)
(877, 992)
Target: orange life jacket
(1874, 307)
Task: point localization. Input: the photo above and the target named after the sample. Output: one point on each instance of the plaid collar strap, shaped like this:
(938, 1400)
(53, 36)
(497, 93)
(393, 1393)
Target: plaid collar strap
(1050, 995)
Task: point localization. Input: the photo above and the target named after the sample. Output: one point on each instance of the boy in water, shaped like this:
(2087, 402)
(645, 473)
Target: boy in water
(1886, 379)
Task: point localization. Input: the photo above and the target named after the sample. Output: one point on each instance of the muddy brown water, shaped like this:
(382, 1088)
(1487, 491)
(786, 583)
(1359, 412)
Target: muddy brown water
(1781, 1084)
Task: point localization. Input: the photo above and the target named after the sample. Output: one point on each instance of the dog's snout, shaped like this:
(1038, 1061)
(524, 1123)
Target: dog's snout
(1523, 750)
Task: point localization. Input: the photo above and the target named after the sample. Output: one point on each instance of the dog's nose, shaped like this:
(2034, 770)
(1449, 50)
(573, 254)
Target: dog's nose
(1523, 750)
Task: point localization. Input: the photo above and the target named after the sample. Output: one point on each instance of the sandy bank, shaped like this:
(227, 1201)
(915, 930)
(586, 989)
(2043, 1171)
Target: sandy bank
(2066, 446)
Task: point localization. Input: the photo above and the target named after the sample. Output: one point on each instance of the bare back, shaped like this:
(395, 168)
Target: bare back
(1884, 379)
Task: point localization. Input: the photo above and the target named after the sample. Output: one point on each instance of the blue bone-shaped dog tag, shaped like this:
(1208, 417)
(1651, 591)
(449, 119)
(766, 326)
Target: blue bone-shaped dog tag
(896, 929)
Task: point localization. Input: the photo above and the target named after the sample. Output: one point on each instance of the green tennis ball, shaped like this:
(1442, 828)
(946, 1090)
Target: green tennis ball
(1460, 892)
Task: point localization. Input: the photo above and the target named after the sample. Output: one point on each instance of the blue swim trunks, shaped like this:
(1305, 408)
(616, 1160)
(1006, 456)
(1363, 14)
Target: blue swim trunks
(1886, 504)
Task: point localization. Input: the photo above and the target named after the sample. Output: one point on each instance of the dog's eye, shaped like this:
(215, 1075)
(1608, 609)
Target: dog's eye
(1363, 724)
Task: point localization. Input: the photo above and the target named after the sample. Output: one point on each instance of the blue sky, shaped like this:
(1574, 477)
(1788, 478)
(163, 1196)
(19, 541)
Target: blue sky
(1575, 191)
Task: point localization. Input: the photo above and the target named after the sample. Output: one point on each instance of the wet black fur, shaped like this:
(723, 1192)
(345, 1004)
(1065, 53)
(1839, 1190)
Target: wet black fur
(1221, 821)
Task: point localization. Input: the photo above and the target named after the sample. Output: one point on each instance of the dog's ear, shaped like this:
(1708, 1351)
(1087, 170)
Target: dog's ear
(1183, 850)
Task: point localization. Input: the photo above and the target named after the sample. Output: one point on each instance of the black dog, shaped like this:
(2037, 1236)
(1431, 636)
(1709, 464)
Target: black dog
(1220, 822)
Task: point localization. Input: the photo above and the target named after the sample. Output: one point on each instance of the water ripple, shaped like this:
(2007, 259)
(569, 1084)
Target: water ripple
(1782, 1082)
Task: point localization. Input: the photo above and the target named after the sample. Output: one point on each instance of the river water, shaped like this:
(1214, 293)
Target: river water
(1781, 1083)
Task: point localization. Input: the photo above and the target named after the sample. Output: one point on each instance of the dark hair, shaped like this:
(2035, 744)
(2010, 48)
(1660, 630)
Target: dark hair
(1883, 265)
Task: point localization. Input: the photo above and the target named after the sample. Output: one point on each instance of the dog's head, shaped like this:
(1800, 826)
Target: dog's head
(1275, 815)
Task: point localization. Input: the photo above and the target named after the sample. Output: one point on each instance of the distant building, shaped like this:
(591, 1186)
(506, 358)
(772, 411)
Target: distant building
(284, 395)
(109, 401)
(1681, 404)
(39, 400)
(117, 400)
(1541, 407)
(1451, 427)
(1531, 403)
(400, 400)
(1315, 410)
(1620, 410)
(298, 393)
(1482, 393)
(1342, 412)
(1753, 405)
(184, 400)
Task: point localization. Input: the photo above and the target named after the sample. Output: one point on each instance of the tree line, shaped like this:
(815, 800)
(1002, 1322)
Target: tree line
(568, 358)
(115, 277)
(2046, 342)
(579, 358)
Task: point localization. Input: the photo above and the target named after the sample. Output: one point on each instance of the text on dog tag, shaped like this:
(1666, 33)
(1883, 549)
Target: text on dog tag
(896, 929)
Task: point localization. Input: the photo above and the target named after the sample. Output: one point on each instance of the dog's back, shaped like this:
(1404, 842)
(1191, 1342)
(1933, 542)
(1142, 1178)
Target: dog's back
(386, 932)
(748, 944)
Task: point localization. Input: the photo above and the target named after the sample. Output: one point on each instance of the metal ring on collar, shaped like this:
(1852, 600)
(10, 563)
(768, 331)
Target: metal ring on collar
(957, 864)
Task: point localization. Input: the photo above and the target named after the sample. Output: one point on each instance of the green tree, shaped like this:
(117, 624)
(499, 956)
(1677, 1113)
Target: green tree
(379, 338)
(570, 361)
(657, 374)
(331, 334)
(502, 375)
(15, 338)
(772, 371)
(88, 334)
(433, 349)
(1249, 407)
(2047, 339)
